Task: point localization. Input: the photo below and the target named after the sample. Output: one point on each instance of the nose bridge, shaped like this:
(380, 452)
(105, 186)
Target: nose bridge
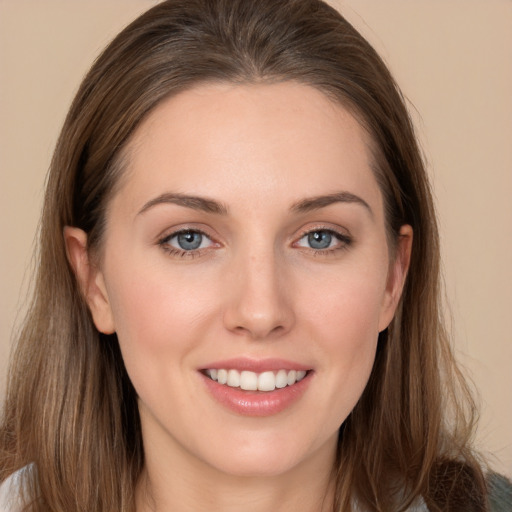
(260, 305)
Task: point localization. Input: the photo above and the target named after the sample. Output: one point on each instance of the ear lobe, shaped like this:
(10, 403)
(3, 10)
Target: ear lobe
(90, 279)
(396, 276)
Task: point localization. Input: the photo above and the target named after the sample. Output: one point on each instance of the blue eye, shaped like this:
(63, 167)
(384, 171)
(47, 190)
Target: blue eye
(319, 239)
(187, 240)
(323, 240)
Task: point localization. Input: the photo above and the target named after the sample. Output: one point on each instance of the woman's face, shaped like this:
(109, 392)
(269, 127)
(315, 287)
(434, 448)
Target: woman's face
(246, 243)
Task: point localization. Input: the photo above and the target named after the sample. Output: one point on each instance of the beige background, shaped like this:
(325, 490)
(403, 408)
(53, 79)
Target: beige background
(453, 60)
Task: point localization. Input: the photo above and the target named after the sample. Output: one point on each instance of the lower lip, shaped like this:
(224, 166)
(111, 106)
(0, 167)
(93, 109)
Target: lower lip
(254, 403)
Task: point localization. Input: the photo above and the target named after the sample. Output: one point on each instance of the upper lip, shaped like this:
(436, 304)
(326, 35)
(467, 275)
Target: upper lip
(255, 365)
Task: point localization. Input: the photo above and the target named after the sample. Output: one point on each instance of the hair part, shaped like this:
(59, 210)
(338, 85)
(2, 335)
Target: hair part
(71, 409)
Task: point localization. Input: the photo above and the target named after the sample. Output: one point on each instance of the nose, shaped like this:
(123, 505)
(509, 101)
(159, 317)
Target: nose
(260, 299)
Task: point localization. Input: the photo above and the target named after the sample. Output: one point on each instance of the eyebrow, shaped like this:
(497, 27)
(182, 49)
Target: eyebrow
(211, 206)
(187, 201)
(315, 203)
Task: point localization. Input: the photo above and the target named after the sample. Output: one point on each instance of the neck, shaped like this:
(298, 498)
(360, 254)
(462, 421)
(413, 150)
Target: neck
(185, 485)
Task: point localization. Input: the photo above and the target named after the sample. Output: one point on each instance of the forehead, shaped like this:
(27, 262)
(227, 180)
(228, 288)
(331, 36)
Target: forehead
(229, 141)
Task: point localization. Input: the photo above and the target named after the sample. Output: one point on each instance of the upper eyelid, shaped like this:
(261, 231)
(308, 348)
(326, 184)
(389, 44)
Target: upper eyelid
(169, 233)
(177, 232)
(345, 239)
(342, 232)
(338, 231)
(164, 243)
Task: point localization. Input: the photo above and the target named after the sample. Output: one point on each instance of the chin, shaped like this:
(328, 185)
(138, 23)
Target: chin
(259, 467)
(271, 458)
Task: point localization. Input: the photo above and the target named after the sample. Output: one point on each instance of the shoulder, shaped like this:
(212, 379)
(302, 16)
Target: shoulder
(418, 506)
(500, 493)
(11, 490)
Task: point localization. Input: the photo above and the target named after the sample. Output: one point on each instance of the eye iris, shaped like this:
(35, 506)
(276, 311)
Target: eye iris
(189, 241)
(319, 239)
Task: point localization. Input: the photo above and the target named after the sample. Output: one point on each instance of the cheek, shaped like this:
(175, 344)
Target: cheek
(346, 303)
(343, 319)
(349, 332)
(159, 317)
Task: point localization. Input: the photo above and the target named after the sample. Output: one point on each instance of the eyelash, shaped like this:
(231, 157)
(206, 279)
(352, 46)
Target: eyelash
(182, 253)
(345, 242)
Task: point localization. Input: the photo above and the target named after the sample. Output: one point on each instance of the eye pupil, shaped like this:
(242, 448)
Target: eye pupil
(189, 240)
(319, 239)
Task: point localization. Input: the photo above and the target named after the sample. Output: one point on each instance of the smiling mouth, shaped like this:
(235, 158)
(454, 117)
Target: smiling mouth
(252, 381)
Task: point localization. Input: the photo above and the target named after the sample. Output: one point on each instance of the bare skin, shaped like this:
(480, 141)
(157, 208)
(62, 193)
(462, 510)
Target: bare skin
(248, 228)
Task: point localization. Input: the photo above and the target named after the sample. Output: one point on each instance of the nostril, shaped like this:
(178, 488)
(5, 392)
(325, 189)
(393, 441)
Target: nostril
(258, 307)
(259, 332)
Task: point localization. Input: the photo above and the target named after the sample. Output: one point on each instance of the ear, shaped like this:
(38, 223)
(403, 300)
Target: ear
(90, 278)
(396, 276)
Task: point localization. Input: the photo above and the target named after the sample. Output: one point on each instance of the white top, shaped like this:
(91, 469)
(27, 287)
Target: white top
(11, 502)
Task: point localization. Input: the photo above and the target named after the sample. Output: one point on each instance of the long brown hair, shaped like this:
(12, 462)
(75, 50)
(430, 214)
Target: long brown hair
(71, 410)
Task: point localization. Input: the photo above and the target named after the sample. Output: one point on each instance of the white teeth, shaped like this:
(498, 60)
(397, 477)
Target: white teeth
(300, 375)
(292, 377)
(222, 376)
(282, 378)
(233, 378)
(251, 381)
(266, 381)
(212, 374)
(248, 381)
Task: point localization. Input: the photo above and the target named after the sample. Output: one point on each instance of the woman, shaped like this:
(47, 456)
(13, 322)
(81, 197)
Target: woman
(238, 293)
